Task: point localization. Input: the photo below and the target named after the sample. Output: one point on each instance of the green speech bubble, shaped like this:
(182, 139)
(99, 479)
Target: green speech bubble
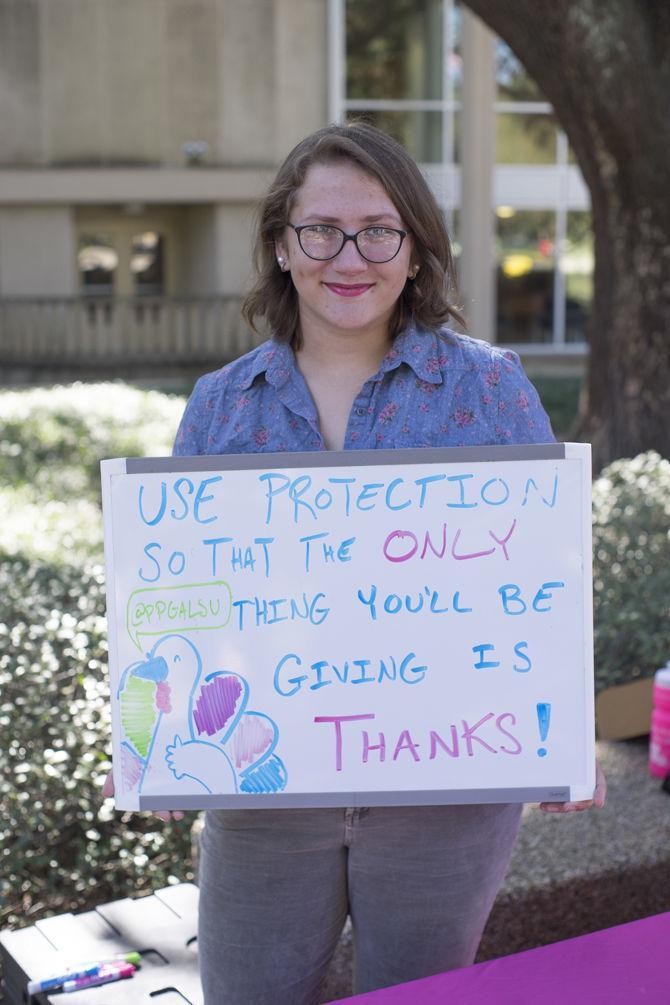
(192, 607)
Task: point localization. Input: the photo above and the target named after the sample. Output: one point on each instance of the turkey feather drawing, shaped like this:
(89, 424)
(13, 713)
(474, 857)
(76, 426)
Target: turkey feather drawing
(189, 732)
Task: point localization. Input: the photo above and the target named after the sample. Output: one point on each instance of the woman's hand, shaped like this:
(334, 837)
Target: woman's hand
(108, 792)
(598, 800)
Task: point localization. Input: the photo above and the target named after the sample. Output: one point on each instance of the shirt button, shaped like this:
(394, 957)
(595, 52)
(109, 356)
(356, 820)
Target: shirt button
(361, 411)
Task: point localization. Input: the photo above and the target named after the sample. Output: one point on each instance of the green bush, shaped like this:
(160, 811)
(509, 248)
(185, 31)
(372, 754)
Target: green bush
(53, 439)
(631, 574)
(51, 445)
(62, 847)
(53, 530)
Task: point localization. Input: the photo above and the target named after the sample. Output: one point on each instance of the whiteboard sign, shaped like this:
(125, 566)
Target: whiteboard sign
(360, 628)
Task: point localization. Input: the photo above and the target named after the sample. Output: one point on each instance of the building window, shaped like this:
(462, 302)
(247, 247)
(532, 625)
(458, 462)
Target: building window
(525, 264)
(146, 263)
(577, 269)
(525, 138)
(97, 260)
(543, 298)
(398, 64)
(403, 72)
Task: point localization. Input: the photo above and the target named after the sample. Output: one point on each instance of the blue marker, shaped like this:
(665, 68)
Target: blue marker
(106, 974)
(90, 969)
(53, 983)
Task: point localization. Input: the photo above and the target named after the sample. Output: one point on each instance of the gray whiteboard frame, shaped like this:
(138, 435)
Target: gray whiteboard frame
(349, 458)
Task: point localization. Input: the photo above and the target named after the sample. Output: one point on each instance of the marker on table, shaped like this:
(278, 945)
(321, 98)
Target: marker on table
(79, 970)
(53, 983)
(106, 974)
(133, 957)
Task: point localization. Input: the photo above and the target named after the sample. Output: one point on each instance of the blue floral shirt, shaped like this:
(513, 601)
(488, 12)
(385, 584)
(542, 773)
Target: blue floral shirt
(431, 390)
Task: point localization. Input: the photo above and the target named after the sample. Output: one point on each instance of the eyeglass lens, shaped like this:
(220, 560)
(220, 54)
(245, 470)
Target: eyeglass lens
(376, 244)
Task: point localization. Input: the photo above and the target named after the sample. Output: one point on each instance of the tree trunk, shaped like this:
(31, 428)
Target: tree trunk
(605, 68)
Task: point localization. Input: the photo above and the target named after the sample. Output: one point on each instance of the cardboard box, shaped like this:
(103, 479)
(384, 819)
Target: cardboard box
(624, 711)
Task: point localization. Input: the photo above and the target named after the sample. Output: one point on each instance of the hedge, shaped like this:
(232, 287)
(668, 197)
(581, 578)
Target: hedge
(61, 846)
(53, 439)
(631, 569)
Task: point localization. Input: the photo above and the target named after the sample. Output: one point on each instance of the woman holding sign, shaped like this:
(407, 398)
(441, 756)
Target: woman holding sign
(354, 281)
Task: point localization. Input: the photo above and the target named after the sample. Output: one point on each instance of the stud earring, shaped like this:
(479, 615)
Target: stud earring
(412, 274)
(281, 262)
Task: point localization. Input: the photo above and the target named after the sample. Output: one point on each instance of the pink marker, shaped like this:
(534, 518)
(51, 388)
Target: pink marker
(106, 974)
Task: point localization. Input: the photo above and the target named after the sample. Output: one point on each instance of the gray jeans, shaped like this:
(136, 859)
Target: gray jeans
(276, 887)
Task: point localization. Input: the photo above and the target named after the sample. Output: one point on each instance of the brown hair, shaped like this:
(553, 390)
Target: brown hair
(424, 300)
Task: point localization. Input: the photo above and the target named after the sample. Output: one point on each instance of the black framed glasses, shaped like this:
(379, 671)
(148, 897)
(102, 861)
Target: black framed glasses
(322, 242)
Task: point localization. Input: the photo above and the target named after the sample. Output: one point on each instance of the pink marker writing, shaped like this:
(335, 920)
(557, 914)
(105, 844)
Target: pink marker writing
(106, 974)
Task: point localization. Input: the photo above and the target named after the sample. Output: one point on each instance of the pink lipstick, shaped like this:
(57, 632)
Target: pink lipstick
(353, 290)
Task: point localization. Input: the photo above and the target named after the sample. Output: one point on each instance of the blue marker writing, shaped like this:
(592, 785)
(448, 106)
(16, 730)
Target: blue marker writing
(543, 717)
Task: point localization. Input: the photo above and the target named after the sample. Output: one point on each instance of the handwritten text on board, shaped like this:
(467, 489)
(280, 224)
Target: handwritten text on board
(379, 627)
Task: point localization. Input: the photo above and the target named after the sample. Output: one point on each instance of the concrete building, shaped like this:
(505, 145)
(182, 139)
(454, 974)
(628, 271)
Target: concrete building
(137, 135)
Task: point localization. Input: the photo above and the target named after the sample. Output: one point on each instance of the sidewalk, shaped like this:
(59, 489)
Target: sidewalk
(575, 874)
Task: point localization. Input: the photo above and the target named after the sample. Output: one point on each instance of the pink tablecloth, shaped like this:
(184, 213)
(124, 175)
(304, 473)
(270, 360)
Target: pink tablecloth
(617, 966)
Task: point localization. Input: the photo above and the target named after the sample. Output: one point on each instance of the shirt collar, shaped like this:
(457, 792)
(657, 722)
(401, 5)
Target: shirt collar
(275, 360)
(419, 349)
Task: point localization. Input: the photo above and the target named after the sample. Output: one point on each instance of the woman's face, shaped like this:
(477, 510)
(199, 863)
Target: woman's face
(347, 293)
